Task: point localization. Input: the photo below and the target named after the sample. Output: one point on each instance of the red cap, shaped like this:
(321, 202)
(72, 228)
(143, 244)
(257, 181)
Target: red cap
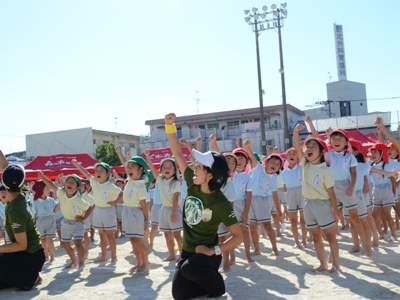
(274, 155)
(318, 140)
(342, 131)
(356, 144)
(290, 149)
(241, 151)
(231, 154)
(391, 145)
(38, 191)
(381, 147)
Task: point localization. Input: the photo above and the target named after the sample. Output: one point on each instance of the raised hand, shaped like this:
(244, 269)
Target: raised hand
(170, 118)
(199, 139)
(298, 128)
(183, 141)
(146, 152)
(379, 122)
(118, 148)
(308, 120)
(247, 143)
(213, 138)
(40, 175)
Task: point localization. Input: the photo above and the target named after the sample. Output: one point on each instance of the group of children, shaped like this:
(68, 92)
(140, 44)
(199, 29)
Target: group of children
(318, 184)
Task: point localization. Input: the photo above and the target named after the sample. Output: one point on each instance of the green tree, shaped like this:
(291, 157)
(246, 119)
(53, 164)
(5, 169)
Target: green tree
(106, 153)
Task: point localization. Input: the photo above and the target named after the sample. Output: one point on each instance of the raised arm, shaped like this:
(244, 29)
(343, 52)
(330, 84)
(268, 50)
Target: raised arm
(173, 141)
(247, 146)
(118, 149)
(381, 127)
(198, 144)
(238, 143)
(213, 140)
(3, 161)
(296, 140)
(81, 169)
(47, 182)
(150, 164)
(186, 144)
(314, 132)
(268, 148)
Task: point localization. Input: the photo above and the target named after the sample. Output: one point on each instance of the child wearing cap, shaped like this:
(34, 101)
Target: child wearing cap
(44, 209)
(119, 182)
(134, 214)
(106, 197)
(385, 188)
(320, 208)
(170, 218)
(72, 207)
(292, 177)
(264, 197)
(87, 196)
(205, 207)
(343, 165)
(243, 192)
(22, 259)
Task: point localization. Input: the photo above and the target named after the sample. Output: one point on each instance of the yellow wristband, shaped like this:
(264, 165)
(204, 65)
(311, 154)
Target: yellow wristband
(170, 128)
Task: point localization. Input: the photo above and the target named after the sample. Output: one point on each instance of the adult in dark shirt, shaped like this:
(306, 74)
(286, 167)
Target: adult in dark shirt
(23, 258)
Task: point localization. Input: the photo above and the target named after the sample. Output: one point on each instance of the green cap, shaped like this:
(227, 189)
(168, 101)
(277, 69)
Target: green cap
(104, 165)
(138, 160)
(74, 176)
(257, 157)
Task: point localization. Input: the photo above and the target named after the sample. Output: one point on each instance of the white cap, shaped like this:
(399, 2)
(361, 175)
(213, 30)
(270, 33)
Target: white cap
(206, 159)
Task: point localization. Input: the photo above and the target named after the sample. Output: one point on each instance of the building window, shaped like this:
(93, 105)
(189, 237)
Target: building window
(131, 145)
(105, 142)
(233, 123)
(213, 126)
(271, 143)
(345, 108)
(94, 142)
(244, 121)
(202, 126)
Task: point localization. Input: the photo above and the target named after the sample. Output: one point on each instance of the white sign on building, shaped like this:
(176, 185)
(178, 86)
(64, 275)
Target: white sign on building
(340, 57)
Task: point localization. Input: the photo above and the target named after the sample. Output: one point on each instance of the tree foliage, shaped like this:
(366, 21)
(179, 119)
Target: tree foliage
(106, 153)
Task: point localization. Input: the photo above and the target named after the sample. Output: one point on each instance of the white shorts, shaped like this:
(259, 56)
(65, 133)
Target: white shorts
(281, 196)
(2, 229)
(318, 213)
(46, 226)
(222, 230)
(361, 208)
(155, 214)
(383, 195)
(165, 219)
(104, 218)
(58, 223)
(261, 209)
(119, 211)
(344, 201)
(238, 208)
(367, 201)
(295, 199)
(71, 230)
(132, 222)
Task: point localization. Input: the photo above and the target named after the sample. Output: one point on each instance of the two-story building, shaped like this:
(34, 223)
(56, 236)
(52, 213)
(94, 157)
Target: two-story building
(82, 140)
(227, 126)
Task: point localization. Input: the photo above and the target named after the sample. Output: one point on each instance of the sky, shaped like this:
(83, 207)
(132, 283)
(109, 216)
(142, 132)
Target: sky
(74, 64)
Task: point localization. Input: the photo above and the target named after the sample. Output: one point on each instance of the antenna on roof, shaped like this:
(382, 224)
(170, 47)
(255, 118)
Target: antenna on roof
(197, 100)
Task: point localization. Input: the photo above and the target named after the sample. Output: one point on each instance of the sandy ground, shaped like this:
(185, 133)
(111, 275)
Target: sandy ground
(287, 276)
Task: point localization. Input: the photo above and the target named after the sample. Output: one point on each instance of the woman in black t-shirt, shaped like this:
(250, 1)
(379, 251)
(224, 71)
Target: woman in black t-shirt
(205, 207)
(23, 258)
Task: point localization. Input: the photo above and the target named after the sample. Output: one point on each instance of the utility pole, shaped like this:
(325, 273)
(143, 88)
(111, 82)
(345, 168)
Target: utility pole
(197, 100)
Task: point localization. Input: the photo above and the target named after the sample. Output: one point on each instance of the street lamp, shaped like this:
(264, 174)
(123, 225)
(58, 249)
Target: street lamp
(275, 21)
(252, 18)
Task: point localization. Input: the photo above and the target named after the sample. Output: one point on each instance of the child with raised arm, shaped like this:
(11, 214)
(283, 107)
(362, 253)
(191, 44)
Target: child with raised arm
(170, 218)
(292, 178)
(343, 165)
(264, 195)
(72, 206)
(385, 188)
(320, 208)
(44, 209)
(106, 196)
(205, 207)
